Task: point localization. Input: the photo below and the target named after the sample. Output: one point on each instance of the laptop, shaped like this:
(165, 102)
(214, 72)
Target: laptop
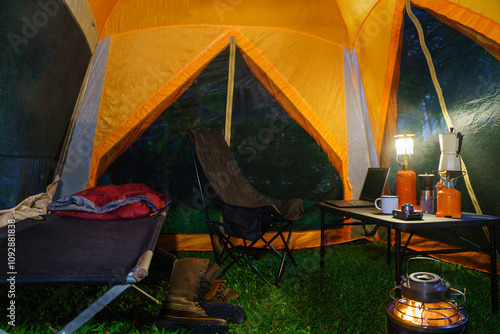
(373, 188)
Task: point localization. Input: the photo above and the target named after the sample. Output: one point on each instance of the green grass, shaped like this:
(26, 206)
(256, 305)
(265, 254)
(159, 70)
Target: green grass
(348, 296)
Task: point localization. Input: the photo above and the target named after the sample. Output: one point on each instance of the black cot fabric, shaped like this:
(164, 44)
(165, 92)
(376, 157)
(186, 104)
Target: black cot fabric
(61, 250)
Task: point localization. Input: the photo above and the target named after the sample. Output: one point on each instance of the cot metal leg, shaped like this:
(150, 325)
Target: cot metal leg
(494, 282)
(94, 308)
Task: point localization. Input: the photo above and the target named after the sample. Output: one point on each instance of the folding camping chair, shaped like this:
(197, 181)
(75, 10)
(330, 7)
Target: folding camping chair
(246, 214)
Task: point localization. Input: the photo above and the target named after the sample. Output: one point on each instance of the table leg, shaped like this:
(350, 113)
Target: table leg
(389, 240)
(494, 282)
(398, 260)
(322, 248)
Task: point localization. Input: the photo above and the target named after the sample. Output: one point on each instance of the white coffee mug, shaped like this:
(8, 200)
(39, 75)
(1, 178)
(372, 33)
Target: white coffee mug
(388, 203)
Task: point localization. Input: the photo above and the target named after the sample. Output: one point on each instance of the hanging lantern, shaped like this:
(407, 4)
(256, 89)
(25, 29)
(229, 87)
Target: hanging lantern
(425, 305)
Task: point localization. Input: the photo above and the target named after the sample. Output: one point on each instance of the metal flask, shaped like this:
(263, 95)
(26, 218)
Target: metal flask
(426, 193)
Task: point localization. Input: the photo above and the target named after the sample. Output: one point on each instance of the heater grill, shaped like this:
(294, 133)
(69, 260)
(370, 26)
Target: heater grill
(439, 317)
(425, 305)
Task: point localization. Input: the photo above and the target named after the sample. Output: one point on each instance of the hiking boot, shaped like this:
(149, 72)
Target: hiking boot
(181, 308)
(215, 300)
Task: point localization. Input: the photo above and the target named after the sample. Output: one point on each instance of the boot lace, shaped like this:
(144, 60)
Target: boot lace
(201, 289)
(219, 297)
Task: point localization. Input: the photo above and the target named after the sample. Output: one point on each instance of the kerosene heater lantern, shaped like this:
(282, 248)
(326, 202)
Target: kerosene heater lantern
(425, 305)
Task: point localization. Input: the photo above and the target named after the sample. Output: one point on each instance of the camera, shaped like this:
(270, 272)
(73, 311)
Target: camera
(407, 212)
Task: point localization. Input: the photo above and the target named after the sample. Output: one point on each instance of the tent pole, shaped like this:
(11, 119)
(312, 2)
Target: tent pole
(230, 88)
(229, 101)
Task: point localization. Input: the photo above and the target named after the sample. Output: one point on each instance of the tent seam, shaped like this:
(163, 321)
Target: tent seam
(391, 64)
(235, 27)
(107, 19)
(484, 17)
(94, 166)
(363, 23)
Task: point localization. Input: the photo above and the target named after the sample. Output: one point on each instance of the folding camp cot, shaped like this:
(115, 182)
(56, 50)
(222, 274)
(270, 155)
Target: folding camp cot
(61, 250)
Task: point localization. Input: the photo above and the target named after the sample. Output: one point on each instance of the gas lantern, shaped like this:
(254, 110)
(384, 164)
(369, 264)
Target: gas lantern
(406, 179)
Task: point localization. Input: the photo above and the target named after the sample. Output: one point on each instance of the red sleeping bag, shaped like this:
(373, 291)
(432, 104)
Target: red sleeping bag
(111, 202)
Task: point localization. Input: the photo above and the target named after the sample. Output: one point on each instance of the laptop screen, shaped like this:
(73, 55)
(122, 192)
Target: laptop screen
(374, 184)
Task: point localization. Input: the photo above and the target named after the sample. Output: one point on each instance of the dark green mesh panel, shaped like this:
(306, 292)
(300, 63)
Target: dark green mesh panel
(43, 59)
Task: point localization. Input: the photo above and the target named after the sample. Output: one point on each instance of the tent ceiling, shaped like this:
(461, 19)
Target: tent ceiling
(307, 17)
(338, 21)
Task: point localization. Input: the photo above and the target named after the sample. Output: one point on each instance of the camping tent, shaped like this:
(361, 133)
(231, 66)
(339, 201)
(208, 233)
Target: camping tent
(332, 65)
